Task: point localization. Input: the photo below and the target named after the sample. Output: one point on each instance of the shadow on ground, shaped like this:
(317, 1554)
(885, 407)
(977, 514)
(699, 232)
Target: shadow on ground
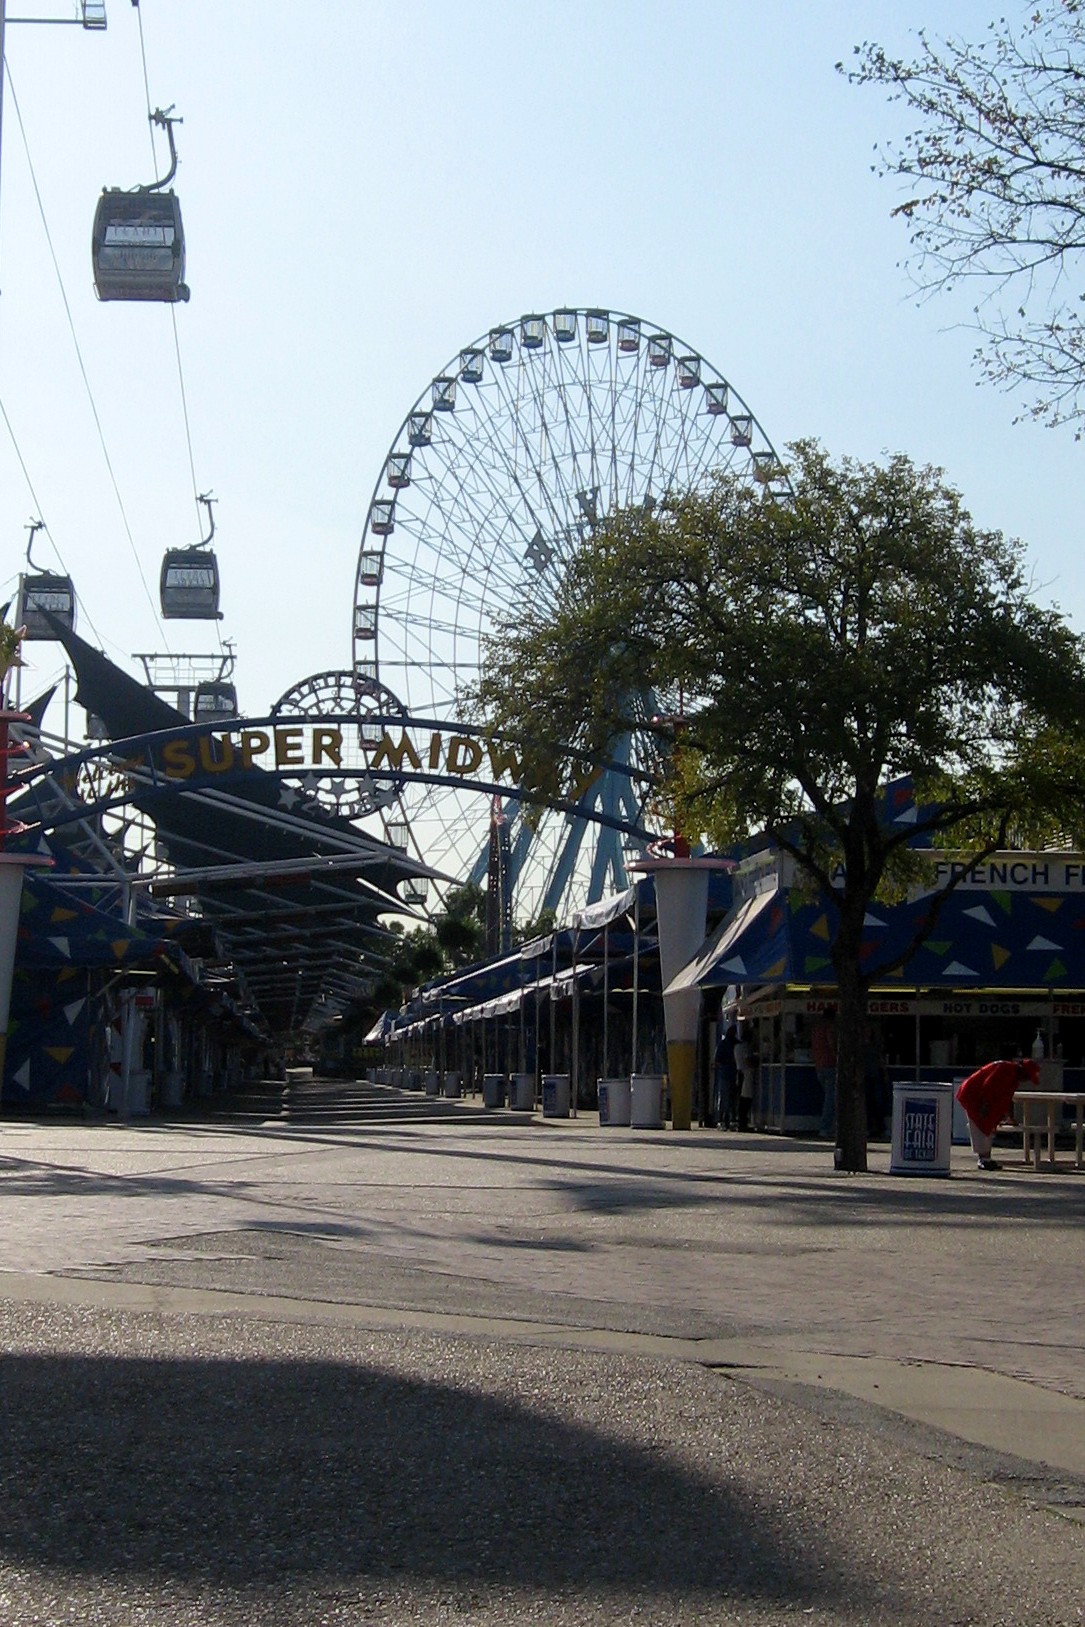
(268, 1471)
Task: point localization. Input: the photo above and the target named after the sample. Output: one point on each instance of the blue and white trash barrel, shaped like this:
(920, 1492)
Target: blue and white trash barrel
(615, 1101)
(922, 1129)
(555, 1094)
(494, 1086)
(522, 1092)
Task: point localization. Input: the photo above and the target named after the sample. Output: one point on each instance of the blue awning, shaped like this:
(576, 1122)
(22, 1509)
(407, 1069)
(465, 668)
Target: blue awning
(997, 938)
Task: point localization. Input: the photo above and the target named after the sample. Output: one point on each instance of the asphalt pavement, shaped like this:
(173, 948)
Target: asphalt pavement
(344, 1354)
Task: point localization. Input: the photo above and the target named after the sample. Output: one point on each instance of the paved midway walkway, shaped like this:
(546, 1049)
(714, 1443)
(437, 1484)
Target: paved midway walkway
(869, 1371)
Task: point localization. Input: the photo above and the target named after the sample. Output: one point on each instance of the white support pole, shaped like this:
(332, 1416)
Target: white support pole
(606, 1001)
(553, 1002)
(681, 903)
(574, 1060)
(523, 1031)
(634, 1053)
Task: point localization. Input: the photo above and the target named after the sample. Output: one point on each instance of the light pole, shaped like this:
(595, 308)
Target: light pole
(91, 15)
(3, 25)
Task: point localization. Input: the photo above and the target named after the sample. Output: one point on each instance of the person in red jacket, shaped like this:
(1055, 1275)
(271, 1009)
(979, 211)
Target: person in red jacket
(987, 1096)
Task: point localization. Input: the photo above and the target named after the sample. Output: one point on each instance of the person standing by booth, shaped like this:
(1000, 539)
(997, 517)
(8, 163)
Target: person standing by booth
(823, 1056)
(746, 1086)
(877, 1106)
(987, 1096)
(726, 1076)
(739, 1081)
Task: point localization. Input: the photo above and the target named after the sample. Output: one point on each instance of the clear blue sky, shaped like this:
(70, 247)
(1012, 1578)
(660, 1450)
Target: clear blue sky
(367, 186)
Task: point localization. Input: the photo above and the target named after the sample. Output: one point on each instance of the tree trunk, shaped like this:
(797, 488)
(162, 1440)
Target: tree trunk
(851, 1023)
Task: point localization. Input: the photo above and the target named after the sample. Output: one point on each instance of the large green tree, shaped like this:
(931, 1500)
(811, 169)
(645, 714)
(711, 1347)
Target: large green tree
(993, 176)
(819, 642)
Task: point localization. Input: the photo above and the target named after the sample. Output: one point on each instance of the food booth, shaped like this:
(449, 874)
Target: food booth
(1001, 972)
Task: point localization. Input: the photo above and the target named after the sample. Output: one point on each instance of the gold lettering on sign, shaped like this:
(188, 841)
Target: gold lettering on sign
(464, 754)
(178, 759)
(388, 752)
(216, 753)
(328, 743)
(504, 760)
(254, 742)
(288, 748)
(294, 746)
(587, 780)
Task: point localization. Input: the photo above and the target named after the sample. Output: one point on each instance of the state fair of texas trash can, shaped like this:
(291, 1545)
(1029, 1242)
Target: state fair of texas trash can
(522, 1092)
(614, 1101)
(493, 1090)
(646, 1101)
(922, 1129)
(555, 1088)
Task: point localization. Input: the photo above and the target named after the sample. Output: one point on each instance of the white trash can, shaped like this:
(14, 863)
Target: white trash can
(173, 1088)
(646, 1101)
(922, 1129)
(522, 1092)
(614, 1102)
(139, 1093)
(493, 1090)
(555, 1088)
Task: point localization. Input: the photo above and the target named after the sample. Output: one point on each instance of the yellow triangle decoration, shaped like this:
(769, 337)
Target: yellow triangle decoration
(1051, 904)
(999, 956)
(820, 928)
(59, 1053)
(61, 914)
(120, 948)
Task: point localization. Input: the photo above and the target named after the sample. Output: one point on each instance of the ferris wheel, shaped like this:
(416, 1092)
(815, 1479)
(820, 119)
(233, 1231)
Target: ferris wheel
(520, 445)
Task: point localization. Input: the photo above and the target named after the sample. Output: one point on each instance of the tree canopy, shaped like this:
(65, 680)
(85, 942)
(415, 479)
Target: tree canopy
(815, 643)
(994, 175)
(455, 937)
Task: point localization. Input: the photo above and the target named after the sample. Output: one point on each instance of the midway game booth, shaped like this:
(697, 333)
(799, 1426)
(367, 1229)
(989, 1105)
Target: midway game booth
(1003, 966)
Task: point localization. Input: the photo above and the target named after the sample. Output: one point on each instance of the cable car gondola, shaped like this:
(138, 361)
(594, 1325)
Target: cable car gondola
(138, 242)
(40, 592)
(45, 591)
(215, 700)
(189, 585)
(189, 582)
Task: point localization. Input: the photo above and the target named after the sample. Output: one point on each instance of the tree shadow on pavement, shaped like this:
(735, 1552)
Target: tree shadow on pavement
(261, 1472)
(802, 1197)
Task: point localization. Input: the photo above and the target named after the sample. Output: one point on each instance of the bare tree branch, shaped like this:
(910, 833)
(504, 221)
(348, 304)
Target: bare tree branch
(994, 174)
